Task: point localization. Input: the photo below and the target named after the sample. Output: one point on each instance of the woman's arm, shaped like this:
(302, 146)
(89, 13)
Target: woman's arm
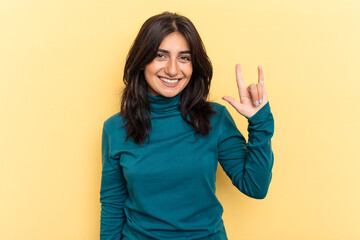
(113, 194)
(249, 164)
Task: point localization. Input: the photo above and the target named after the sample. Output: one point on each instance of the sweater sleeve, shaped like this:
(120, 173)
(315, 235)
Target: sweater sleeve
(113, 194)
(248, 165)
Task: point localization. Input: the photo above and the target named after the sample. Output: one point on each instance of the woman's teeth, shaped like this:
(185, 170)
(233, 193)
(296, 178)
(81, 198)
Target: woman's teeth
(169, 80)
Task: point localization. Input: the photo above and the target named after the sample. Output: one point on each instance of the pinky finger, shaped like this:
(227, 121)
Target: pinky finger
(260, 89)
(260, 75)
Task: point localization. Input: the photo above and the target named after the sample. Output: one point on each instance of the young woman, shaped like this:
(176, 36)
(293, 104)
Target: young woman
(160, 153)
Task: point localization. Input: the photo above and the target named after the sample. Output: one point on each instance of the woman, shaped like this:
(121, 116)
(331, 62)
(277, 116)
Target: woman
(160, 154)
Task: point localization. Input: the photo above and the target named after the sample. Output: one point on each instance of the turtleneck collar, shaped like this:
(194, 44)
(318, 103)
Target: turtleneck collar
(160, 104)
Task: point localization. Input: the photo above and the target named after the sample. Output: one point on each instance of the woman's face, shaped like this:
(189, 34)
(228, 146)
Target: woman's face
(170, 71)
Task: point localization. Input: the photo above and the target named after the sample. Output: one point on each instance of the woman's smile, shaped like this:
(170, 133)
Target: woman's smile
(169, 80)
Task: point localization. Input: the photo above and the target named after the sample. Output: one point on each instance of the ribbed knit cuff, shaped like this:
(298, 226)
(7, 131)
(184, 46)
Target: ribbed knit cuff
(261, 115)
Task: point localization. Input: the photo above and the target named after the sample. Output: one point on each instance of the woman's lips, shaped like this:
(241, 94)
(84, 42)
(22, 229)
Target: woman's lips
(170, 82)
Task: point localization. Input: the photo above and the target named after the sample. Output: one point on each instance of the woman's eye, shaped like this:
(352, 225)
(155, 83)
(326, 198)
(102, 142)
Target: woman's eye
(159, 55)
(186, 58)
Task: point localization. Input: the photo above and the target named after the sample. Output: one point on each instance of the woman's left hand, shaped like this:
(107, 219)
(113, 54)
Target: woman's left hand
(252, 98)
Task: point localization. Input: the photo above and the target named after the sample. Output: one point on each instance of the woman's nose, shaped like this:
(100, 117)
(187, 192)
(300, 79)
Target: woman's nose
(172, 68)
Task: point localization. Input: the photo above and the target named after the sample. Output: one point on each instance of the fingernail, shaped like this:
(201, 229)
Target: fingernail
(260, 101)
(256, 103)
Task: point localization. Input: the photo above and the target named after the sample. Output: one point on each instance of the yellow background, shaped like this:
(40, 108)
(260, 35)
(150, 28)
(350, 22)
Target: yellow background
(61, 66)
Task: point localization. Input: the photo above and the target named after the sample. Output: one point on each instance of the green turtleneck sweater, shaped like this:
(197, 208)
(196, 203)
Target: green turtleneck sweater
(165, 188)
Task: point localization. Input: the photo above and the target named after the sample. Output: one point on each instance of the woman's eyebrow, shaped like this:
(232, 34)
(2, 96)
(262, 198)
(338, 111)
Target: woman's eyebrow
(166, 51)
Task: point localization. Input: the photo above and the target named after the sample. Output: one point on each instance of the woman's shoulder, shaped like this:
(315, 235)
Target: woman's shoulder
(114, 122)
(218, 108)
(220, 114)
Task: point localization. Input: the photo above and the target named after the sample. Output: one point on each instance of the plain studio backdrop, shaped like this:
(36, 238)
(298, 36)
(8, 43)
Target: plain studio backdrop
(61, 66)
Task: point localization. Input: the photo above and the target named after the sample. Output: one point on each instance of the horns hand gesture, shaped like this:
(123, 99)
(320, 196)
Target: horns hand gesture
(252, 98)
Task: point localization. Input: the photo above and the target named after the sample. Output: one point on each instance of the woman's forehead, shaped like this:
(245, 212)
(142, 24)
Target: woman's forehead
(174, 42)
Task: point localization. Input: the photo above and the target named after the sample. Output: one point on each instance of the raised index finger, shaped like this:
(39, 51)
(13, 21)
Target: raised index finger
(240, 80)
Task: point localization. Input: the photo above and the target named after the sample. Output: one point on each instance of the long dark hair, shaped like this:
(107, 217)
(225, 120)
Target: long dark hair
(135, 107)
